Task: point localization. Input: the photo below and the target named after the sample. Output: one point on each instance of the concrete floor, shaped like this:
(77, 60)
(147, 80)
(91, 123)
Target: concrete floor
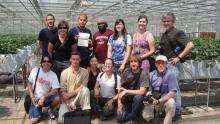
(13, 113)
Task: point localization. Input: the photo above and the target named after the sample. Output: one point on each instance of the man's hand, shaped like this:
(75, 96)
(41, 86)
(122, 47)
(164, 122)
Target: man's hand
(41, 101)
(173, 61)
(65, 96)
(121, 94)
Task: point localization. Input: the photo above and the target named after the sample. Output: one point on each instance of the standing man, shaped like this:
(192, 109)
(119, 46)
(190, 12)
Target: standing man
(100, 41)
(74, 91)
(85, 51)
(47, 34)
(174, 44)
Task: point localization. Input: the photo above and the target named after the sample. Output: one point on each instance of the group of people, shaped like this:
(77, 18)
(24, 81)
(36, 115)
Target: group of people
(111, 73)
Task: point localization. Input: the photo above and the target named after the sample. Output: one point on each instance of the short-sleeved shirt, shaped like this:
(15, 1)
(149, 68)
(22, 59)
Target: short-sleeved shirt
(45, 36)
(100, 43)
(175, 37)
(46, 81)
(85, 52)
(71, 81)
(128, 77)
(61, 51)
(107, 86)
(169, 82)
(119, 48)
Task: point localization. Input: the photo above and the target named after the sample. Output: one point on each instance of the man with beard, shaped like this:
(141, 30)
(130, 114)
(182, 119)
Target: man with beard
(100, 41)
(47, 34)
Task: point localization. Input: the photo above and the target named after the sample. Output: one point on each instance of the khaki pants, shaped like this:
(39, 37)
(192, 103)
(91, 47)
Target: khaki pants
(82, 99)
(169, 106)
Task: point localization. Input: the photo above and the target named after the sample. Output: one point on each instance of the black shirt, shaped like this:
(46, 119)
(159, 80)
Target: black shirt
(61, 51)
(170, 40)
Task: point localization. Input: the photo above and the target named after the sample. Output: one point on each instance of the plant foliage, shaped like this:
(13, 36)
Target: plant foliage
(9, 44)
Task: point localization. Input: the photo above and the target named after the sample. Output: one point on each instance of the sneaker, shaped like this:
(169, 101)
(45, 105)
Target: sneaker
(102, 118)
(177, 117)
(133, 122)
(51, 115)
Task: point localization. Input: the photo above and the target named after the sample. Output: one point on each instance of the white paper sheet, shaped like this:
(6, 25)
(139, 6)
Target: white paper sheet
(83, 39)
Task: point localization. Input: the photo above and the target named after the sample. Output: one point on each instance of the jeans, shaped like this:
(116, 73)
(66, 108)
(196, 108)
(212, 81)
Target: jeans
(59, 66)
(36, 112)
(132, 109)
(175, 70)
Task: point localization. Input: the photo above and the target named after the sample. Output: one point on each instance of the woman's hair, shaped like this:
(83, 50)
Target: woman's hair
(124, 31)
(93, 56)
(110, 60)
(137, 58)
(46, 56)
(63, 23)
(143, 17)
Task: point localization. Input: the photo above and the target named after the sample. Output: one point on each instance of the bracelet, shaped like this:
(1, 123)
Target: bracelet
(178, 57)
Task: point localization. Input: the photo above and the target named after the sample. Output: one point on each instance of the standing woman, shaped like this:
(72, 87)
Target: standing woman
(119, 46)
(60, 48)
(143, 43)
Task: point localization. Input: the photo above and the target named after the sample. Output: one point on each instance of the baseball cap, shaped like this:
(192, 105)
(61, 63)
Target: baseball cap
(101, 21)
(162, 58)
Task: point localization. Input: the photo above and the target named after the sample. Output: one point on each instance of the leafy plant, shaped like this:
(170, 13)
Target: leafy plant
(9, 44)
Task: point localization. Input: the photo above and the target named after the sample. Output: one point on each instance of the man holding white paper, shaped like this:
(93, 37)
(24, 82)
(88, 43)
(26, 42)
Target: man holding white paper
(83, 36)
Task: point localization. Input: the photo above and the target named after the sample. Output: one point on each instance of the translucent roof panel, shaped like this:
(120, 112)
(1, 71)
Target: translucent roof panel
(22, 16)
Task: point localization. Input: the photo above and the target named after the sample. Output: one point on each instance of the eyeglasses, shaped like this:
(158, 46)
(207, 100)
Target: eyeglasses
(62, 27)
(46, 61)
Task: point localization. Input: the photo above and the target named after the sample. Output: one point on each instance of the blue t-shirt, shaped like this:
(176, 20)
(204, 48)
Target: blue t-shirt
(119, 48)
(45, 36)
(85, 52)
(169, 82)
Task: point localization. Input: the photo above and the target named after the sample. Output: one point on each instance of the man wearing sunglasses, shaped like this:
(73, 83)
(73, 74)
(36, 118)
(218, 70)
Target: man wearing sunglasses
(47, 33)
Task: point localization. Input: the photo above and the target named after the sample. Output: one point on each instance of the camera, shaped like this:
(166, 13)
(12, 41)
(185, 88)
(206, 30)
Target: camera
(148, 99)
(158, 50)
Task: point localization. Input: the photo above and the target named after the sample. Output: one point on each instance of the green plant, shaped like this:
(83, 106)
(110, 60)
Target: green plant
(9, 44)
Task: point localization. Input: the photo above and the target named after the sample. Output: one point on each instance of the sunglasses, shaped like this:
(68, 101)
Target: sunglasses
(62, 27)
(46, 61)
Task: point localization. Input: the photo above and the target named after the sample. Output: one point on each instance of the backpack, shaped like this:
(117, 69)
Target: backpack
(115, 77)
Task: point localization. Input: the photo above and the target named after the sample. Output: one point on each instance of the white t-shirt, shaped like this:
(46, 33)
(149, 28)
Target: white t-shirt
(107, 86)
(45, 82)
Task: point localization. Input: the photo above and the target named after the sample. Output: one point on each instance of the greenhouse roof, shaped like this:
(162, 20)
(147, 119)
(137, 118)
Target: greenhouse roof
(14, 14)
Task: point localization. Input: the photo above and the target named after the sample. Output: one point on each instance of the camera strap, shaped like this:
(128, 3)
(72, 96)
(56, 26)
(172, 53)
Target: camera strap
(162, 81)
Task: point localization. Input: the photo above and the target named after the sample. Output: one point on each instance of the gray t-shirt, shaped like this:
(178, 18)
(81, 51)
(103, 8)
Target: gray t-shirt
(128, 79)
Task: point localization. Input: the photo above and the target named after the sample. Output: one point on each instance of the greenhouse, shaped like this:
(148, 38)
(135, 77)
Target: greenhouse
(60, 29)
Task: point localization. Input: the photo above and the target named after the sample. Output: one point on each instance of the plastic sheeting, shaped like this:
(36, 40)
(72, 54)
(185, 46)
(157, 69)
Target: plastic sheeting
(200, 69)
(10, 63)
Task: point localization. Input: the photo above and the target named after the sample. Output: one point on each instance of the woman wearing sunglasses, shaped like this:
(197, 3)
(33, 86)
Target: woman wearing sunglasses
(60, 48)
(46, 90)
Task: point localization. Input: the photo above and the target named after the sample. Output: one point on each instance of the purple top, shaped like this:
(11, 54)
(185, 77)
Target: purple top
(140, 47)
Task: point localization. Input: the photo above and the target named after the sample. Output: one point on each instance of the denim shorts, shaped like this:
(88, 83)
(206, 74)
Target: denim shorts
(36, 112)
